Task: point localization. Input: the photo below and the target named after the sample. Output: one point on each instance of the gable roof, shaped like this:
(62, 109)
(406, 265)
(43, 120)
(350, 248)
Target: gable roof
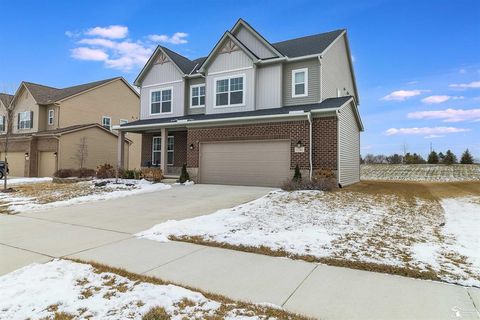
(304, 46)
(256, 34)
(6, 98)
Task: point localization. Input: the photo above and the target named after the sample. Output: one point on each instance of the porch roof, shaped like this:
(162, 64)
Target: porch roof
(330, 104)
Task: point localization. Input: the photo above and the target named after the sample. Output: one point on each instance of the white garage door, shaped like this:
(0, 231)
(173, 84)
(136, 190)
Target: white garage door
(16, 163)
(254, 163)
(46, 164)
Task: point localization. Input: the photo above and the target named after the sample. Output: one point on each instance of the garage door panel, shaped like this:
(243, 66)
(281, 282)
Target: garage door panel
(16, 163)
(46, 164)
(260, 163)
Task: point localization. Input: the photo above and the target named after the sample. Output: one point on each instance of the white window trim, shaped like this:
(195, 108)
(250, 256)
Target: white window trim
(160, 151)
(229, 105)
(150, 101)
(2, 122)
(110, 121)
(191, 95)
(172, 151)
(51, 116)
(29, 113)
(294, 72)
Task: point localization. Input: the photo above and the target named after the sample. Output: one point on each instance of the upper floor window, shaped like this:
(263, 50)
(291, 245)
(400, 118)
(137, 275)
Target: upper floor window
(300, 83)
(161, 101)
(107, 122)
(51, 115)
(2, 123)
(230, 92)
(197, 96)
(25, 120)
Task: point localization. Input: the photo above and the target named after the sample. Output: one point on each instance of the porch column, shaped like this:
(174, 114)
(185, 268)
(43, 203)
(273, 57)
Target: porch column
(121, 150)
(163, 150)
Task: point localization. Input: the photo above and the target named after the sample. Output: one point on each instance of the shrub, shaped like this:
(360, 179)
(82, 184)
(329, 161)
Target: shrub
(105, 171)
(466, 158)
(85, 173)
(152, 174)
(184, 176)
(297, 176)
(64, 173)
(322, 184)
(78, 173)
(131, 174)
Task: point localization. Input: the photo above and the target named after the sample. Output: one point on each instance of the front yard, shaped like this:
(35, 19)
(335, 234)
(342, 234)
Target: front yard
(39, 195)
(427, 231)
(63, 289)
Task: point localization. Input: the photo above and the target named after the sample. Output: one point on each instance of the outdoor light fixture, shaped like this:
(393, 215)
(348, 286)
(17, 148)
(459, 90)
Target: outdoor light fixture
(191, 146)
(299, 144)
(26, 155)
(55, 154)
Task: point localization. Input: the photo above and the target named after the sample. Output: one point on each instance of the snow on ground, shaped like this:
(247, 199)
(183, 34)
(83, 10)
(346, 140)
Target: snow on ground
(38, 290)
(77, 193)
(20, 181)
(420, 172)
(384, 229)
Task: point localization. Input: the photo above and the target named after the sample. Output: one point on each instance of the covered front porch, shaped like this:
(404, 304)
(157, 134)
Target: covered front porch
(165, 148)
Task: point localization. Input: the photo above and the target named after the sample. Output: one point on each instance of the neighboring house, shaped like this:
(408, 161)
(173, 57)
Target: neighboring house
(66, 128)
(252, 110)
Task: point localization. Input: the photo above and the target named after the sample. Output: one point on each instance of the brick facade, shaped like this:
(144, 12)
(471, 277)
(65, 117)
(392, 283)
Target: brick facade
(179, 149)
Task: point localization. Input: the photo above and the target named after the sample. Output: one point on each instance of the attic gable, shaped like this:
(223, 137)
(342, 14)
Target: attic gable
(161, 58)
(254, 40)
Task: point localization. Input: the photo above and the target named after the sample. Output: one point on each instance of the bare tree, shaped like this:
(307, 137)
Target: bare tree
(7, 93)
(82, 152)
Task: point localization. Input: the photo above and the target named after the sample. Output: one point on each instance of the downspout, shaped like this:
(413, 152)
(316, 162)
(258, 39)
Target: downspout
(338, 148)
(321, 77)
(310, 151)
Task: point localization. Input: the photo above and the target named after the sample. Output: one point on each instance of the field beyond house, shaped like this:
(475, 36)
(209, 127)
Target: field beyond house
(422, 230)
(420, 172)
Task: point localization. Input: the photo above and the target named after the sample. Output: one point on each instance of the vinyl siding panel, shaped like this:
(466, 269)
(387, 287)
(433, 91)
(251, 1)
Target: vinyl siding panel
(178, 97)
(348, 147)
(254, 44)
(336, 71)
(160, 73)
(229, 61)
(189, 83)
(313, 66)
(269, 87)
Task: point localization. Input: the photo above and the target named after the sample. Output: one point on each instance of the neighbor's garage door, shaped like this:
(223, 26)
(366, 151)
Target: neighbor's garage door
(16, 163)
(255, 163)
(46, 164)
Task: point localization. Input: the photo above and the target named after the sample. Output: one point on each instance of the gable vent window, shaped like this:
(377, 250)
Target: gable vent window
(107, 122)
(25, 120)
(300, 83)
(229, 92)
(161, 101)
(197, 96)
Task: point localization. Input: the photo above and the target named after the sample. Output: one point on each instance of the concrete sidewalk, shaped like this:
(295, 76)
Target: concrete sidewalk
(314, 290)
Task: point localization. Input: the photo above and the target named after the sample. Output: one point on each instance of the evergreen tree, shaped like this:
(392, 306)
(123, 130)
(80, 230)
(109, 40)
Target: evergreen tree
(466, 158)
(184, 177)
(441, 157)
(450, 158)
(297, 176)
(432, 158)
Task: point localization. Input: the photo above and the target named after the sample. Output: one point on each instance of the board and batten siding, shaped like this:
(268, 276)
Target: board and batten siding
(188, 83)
(254, 44)
(229, 61)
(336, 72)
(269, 86)
(313, 66)
(348, 146)
(161, 73)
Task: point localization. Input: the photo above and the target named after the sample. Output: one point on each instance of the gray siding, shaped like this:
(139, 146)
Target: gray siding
(336, 71)
(228, 61)
(178, 104)
(188, 83)
(348, 146)
(313, 66)
(160, 73)
(269, 86)
(254, 44)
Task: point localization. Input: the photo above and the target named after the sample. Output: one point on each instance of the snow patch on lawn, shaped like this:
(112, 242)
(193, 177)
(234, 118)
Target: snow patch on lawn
(30, 291)
(20, 181)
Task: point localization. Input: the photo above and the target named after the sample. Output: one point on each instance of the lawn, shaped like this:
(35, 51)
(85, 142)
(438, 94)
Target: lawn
(38, 195)
(427, 231)
(64, 289)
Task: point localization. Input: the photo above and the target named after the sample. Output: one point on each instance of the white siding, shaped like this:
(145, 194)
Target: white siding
(160, 73)
(313, 66)
(269, 87)
(253, 43)
(178, 96)
(348, 146)
(336, 71)
(228, 61)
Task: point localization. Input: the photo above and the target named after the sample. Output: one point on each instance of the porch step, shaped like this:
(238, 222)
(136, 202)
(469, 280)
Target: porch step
(169, 180)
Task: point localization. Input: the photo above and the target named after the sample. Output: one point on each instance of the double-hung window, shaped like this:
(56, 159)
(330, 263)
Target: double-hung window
(25, 120)
(51, 116)
(230, 92)
(157, 150)
(107, 122)
(197, 96)
(300, 83)
(2, 123)
(161, 101)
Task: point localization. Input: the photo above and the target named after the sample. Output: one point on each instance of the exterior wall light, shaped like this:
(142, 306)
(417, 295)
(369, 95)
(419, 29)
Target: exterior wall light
(55, 154)
(299, 144)
(27, 156)
(191, 146)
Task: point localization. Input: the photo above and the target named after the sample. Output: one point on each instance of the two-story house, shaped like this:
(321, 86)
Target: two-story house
(251, 111)
(69, 128)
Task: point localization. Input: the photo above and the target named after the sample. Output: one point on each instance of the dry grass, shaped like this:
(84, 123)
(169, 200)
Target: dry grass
(227, 304)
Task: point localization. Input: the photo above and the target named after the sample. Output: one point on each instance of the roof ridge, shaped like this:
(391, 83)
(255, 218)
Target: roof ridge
(41, 85)
(88, 83)
(178, 54)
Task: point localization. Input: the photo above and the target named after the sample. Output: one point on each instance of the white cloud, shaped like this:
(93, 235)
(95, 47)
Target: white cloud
(111, 32)
(412, 82)
(448, 115)
(83, 53)
(439, 99)
(462, 71)
(432, 136)
(426, 131)
(176, 38)
(471, 85)
(402, 95)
